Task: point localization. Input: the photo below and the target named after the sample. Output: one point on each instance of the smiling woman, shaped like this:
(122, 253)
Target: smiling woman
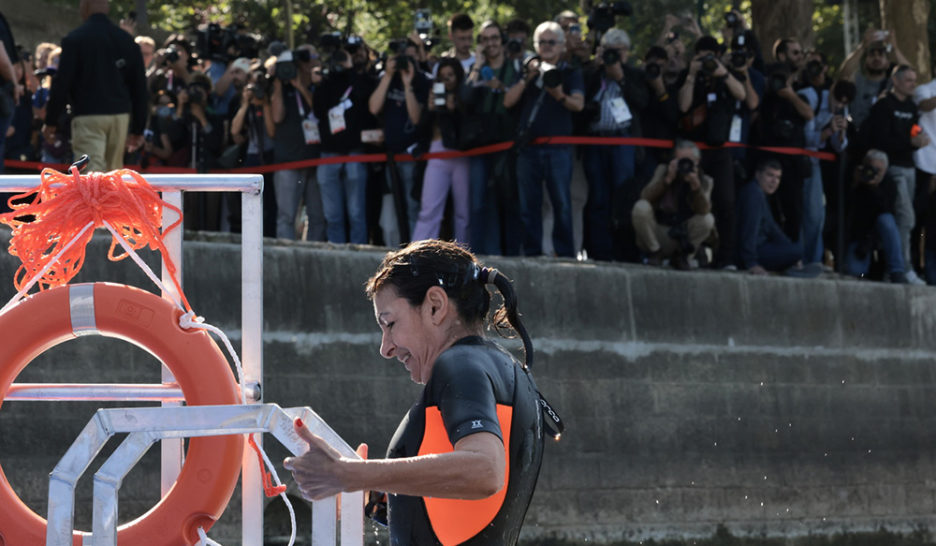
(463, 464)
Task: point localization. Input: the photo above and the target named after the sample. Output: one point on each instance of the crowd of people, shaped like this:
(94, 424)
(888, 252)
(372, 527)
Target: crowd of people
(720, 196)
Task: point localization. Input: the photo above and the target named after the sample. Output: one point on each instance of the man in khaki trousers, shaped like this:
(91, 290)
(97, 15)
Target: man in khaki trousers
(101, 76)
(673, 216)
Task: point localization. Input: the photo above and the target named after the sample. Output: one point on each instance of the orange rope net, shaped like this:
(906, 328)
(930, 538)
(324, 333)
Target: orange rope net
(63, 204)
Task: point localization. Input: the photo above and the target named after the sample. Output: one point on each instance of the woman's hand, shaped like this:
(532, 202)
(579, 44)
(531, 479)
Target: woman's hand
(321, 471)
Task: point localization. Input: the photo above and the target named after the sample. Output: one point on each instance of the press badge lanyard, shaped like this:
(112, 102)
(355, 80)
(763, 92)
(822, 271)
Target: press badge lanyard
(336, 119)
(310, 128)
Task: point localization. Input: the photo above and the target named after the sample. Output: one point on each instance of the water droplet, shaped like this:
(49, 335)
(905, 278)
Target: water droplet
(765, 477)
(762, 503)
(716, 444)
(658, 501)
(739, 418)
(843, 382)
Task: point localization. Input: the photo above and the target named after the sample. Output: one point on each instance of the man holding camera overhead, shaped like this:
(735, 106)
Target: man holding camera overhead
(101, 76)
(707, 97)
(296, 137)
(548, 94)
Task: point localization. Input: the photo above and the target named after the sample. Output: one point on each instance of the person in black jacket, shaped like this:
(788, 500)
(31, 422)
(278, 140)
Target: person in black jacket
(707, 97)
(872, 224)
(615, 96)
(340, 102)
(890, 128)
(101, 76)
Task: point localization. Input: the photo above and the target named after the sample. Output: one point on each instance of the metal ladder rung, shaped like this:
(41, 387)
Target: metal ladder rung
(98, 392)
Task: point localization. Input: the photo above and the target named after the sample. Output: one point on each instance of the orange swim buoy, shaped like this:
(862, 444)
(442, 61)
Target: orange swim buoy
(212, 464)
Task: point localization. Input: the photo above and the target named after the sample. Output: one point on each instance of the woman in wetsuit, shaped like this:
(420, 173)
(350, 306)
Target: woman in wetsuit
(462, 466)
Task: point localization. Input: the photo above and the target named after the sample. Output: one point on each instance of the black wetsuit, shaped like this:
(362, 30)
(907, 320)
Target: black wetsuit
(472, 382)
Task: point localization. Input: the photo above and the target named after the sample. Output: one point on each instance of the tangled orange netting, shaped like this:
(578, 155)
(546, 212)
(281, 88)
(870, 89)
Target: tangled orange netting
(64, 204)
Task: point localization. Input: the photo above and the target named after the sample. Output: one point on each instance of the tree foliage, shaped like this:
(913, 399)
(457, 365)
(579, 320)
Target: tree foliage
(380, 21)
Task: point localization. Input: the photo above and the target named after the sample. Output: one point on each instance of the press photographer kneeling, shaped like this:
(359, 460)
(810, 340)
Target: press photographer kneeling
(872, 225)
(673, 216)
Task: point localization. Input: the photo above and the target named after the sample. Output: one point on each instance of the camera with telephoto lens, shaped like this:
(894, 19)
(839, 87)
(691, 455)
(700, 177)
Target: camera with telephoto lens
(353, 44)
(813, 68)
(866, 173)
(709, 63)
(652, 70)
(285, 67)
(685, 166)
(552, 78)
(601, 18)
(610, 56)
(335, 64)
(515, 46)
(171, 54)
(330, 42)
(259, 92)
(738, 58)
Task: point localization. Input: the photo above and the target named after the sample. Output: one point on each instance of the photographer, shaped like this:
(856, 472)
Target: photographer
(548, 94)
(174, 62)
(253, 124)
(828, 130)
(495, 217)
(518, 32)
(442, 122)
(868, 66)
(617, 95)
(707, 97)
(782, 123)
(789, 52)
(892, 128)
(205, 134)
(296, 137)
(398, 101)
(872, 223)
(661, 116)
(673, 215)
(341, 103)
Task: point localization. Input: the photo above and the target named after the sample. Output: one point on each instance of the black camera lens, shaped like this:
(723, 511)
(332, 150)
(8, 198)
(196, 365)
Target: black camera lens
(286, 70)
(403, 62)
(652, 70)
(172, 54)
(302, 55)
(515, 46)
(776, 81)
(813, 68)
(732, 19)
(738, 59)
(685, 166)
(552, 78)
(709, 64)
(610, 56)
(867, 173)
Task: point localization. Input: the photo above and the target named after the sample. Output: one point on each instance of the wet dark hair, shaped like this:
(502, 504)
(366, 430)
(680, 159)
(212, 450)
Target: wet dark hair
(412, 270)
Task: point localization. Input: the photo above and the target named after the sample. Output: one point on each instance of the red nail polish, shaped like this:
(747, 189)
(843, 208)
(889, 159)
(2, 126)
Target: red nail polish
(299, 423)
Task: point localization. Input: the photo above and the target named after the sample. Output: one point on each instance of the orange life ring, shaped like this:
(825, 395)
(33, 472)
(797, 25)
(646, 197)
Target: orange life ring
(211, 467)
